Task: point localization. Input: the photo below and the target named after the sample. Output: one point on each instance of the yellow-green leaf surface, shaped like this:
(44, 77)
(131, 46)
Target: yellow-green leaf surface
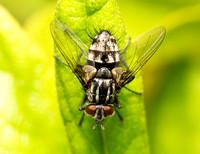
(171, 78)
(129, 136)
(29, 120)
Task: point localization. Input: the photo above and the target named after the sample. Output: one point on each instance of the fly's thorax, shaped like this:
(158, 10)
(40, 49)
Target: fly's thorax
(101, 91)
(104, 49)
(104, 73)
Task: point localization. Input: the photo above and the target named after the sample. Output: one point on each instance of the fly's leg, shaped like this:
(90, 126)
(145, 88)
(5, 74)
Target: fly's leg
(82, 103)
(82, 117)
(124, 63)
(126, 45)
(138, 93)
(128, 81)
(121, 59)
(120, 117)
(82, 108)
(117, 104)
(119, 107)
(60, 60)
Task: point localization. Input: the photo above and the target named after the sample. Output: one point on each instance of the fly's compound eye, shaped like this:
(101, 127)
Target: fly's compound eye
(90, 110)
(108, 111)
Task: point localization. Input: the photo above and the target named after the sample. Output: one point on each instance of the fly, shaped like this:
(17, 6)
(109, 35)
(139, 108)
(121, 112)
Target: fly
(102, 69)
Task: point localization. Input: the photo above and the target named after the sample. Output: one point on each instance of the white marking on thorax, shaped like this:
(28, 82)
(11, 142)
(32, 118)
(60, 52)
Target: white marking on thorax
(108, 95)
(92, 88)
(113, 88)
(99, 81)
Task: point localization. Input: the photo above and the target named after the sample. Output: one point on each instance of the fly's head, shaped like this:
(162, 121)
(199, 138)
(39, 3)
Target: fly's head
(99, 112)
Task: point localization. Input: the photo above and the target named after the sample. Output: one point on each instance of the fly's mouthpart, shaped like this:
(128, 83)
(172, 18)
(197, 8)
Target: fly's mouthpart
(102, 127)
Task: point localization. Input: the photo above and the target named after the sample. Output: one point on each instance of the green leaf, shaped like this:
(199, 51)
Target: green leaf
(129, 136)
(29, 116)
(171, 78)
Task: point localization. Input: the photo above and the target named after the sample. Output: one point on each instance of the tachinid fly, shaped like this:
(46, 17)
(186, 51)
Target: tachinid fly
(103, 69)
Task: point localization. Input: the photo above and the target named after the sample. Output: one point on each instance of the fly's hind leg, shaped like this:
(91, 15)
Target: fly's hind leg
(122, 51)
(124, 63)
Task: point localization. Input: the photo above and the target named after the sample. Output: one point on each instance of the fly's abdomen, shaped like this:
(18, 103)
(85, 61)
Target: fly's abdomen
(104, 51)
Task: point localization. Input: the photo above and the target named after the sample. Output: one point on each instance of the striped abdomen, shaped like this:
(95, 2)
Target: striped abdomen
(103, 51)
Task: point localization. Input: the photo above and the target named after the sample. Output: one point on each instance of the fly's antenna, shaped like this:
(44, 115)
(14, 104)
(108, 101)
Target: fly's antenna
(95, 124)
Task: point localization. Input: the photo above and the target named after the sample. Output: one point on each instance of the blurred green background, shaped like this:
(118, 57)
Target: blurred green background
(30, 121)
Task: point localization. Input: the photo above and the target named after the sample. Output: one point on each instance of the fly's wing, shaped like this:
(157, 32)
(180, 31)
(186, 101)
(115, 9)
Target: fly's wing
(70, 46)
(144, 48)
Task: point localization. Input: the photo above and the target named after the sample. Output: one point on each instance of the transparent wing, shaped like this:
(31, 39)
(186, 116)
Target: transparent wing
(70, 46)
(144, 48)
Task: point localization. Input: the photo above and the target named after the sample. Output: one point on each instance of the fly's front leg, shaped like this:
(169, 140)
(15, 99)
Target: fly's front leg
(81, 108)
(117, 104)
(124, 63)
(82, 117)
(119, 115)
(82, 103)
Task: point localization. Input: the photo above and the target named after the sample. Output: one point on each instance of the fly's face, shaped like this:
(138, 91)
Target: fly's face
(104, 69)
(99, 112)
